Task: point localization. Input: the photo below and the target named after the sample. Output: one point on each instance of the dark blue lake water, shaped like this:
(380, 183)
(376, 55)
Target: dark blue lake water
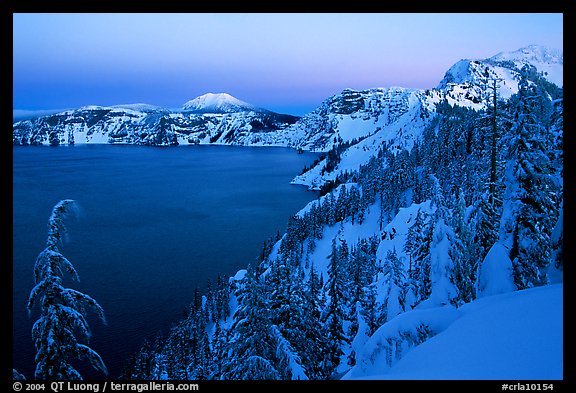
(153, 224)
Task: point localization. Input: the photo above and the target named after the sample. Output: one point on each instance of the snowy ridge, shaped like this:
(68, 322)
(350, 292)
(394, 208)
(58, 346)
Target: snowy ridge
(532, 54)
(545, 59)
(392, 116)
(352, 115)
(149, 125)
(398, 116)
(505, 66)
(140, 107)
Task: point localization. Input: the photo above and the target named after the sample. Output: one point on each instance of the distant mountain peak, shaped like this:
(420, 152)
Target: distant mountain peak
(532, 54)
(141, 107)
(506, 66)
(217, 103)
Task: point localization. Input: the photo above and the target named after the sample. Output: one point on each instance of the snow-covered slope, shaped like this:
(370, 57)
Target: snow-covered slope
(550, 61)
(362, 121)
(368, 118)
(505, 66)
(513, 336)
(354, 115)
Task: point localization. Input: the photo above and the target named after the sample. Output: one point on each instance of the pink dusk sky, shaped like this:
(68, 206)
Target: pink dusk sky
(288, 63)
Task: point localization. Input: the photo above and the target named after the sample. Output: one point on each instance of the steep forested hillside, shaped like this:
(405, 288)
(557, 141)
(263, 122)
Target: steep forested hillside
(397, 245)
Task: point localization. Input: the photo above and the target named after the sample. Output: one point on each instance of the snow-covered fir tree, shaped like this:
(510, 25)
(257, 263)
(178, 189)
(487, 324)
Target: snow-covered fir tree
(63, 310)
(533, 196)
(251, 350)
(335, 313)
(417, 246)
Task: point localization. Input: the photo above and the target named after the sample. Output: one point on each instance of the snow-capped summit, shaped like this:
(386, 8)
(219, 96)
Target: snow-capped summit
(532, 54)
(505, 66)
(217, 103)
(548, 60)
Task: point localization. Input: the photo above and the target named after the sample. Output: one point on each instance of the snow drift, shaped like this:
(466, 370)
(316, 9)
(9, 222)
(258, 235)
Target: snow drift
(516, 335)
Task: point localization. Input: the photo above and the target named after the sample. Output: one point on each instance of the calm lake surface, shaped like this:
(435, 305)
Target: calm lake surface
(153, 224)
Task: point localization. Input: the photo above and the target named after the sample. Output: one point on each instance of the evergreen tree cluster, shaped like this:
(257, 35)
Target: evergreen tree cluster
(188, 352)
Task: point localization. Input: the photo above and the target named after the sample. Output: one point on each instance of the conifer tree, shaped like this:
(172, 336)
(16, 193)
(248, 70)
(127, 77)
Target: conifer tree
(395, 284)
(487, 221)
(535, 193)
(177, 351)
(371, 312)
(494, 144)
(558, 243)
(219, 351)
(417, 246)
(335, 312)
(287, 304)
(62, 310)
(464, 254)
(361, 269)
(315, 331)
(140, 365)
(252, 347)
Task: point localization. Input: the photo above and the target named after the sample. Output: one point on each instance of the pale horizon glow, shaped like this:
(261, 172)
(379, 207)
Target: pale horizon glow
(288, 63)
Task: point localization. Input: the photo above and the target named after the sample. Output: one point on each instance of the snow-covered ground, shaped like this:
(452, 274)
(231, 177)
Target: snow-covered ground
(504, 334)
(512, 336)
